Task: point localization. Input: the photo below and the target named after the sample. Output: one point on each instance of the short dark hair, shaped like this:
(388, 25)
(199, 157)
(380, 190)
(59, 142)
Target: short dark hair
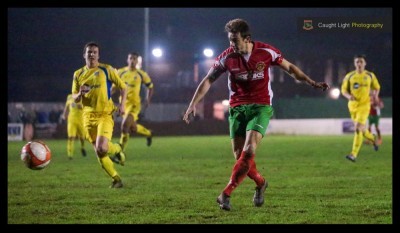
(238, 25)
(136, 54)
(90, 44)
(360, 56)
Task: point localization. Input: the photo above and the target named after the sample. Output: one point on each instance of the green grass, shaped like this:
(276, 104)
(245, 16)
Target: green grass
(177, 180)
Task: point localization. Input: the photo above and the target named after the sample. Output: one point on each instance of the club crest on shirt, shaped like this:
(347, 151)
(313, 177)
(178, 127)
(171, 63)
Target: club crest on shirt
(260, 66)
(96, 73)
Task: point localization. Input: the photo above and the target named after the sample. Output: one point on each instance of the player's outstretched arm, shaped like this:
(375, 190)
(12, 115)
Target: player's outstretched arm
(121, 107)
(299, 75)
(201, 91)
(65, 113)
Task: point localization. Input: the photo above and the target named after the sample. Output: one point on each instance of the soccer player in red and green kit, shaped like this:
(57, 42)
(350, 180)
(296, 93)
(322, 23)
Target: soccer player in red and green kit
(375, 115)
(248, 64)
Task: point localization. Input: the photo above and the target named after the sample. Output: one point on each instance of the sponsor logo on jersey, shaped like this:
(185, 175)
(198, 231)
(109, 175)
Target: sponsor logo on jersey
(95, 86)
(241, 76)
(358, 85)
(129, 85)
(254, 76)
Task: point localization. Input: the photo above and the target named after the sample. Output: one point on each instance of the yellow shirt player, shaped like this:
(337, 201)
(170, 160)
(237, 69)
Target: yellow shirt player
(73, 111)
(92, 85)
(356, 87)
(134, 78)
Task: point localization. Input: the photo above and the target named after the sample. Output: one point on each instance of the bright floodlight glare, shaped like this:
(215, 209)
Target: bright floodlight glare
(208, 52)
(157, 52)
(334, 93)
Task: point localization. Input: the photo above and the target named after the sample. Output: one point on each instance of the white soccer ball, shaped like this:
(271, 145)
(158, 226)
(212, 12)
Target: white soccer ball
(36, 155)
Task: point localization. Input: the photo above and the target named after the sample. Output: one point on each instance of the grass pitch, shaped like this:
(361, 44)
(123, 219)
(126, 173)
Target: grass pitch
(177, 180)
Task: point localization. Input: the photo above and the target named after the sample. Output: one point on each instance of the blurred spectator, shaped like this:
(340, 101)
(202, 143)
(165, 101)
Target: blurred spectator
(27, 118)
(54, 115)
(42, 117)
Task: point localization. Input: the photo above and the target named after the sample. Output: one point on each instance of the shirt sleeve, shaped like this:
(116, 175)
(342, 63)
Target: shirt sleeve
(115, 79)
(75, 84)
(146, 80)
(375, 84)
(276, 54)
(345, 85)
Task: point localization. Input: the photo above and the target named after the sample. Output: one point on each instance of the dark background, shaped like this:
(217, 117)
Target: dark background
(45, 46)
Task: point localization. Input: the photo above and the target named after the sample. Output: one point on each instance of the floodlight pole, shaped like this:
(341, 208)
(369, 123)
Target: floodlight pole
(146, 38)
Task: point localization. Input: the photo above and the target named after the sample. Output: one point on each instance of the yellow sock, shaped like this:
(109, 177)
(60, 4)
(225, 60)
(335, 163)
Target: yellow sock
(113, 148)
(357, 141)
(108, 166)
(142, 130)
(124, 140)
(70, 147)
(116, 177)
(368, 135)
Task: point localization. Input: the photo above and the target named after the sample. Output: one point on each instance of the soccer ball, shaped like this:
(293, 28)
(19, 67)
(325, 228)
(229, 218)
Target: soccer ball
(36, 155)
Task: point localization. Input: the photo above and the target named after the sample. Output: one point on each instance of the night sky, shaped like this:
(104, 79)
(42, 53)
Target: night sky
(45, 45)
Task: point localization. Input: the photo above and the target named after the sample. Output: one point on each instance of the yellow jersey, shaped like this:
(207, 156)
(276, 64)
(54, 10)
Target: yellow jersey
(74, 109)
(134, 80)
(359, 85)
(99, 80)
